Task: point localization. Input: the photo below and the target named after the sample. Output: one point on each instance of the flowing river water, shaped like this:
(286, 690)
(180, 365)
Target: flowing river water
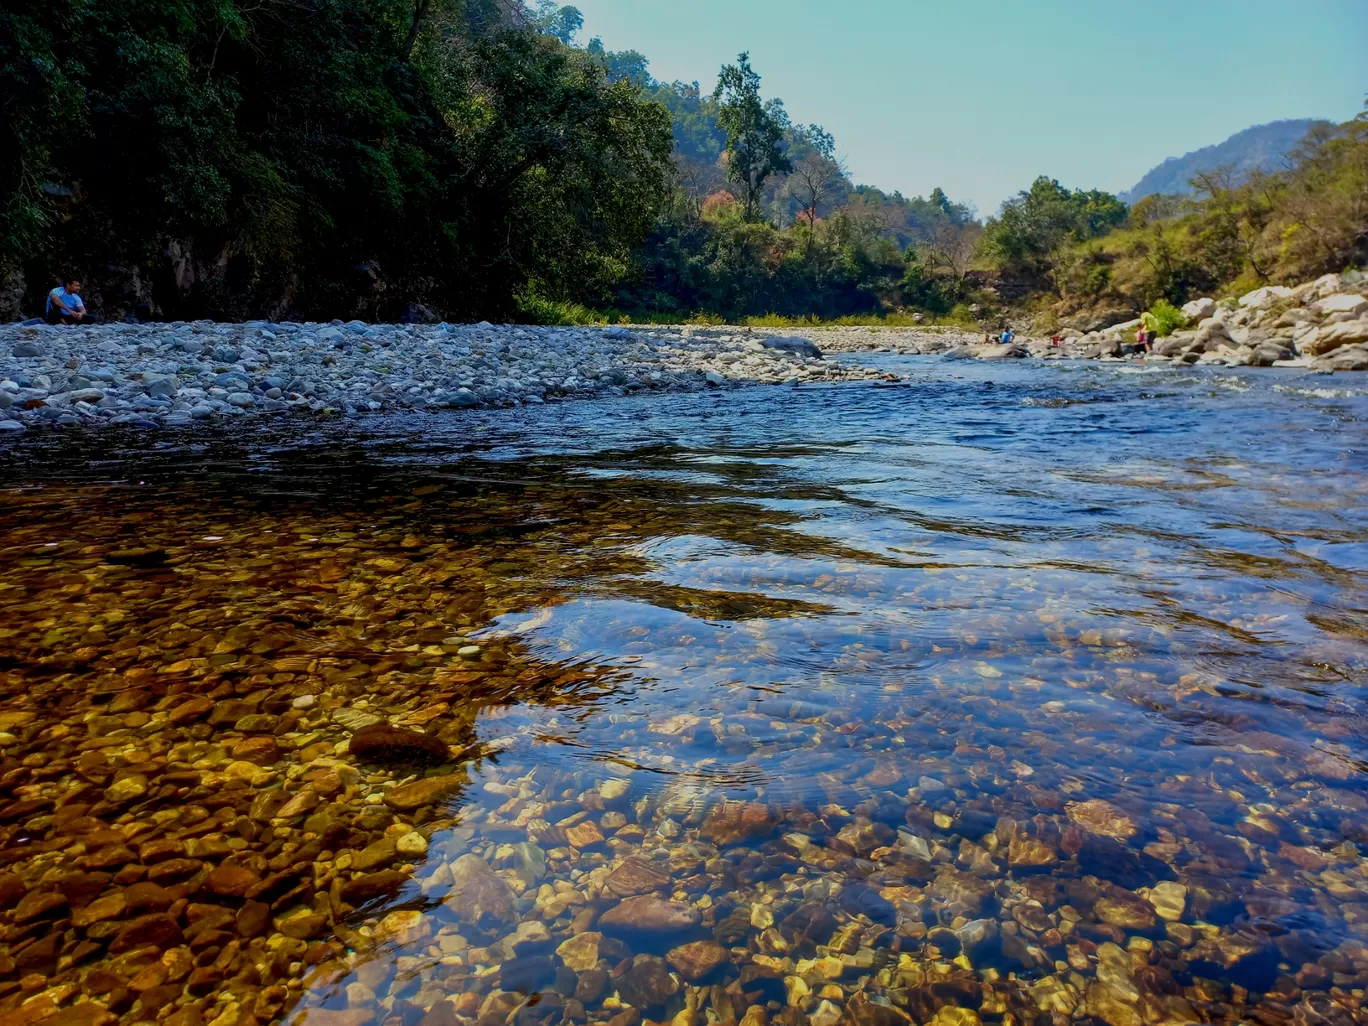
(1011, 693)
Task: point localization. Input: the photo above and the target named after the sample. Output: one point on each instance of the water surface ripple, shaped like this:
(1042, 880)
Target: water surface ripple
(1025, 691)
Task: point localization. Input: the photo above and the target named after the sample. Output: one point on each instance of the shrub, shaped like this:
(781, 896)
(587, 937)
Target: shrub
(1163, 318)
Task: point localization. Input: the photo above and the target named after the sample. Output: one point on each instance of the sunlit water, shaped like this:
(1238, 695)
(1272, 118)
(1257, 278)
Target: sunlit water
(1031, 690)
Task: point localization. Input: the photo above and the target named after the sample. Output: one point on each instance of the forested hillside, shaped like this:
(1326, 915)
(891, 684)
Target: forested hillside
(335, 157)
(467, 159)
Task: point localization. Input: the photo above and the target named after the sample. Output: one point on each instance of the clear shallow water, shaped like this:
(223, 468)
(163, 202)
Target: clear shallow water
(1022, 689)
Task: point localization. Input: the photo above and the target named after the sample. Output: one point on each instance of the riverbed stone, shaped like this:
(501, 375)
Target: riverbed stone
(647, 984)
(697, 960)
(580, 952)
(425, 791)
(479, 897)
(649, 914)
(379, 742)
(635, 875)
(1102, 817)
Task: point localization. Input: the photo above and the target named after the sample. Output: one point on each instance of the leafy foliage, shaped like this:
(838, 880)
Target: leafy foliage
(755, 131)
(340, 156)
(1163, 318)
(1032, 228)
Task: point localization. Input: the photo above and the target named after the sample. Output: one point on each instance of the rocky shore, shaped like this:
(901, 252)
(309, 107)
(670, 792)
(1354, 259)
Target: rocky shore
(1320, 326)
(174, 374)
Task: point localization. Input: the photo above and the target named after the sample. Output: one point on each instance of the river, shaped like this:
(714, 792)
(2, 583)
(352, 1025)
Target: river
(1006, 692)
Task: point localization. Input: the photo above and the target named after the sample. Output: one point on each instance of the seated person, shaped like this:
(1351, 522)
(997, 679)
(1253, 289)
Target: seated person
(65, 306)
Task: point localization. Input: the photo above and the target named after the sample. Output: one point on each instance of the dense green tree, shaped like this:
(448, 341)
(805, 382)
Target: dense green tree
(755, 131)
(239, 157)
(1033, 226)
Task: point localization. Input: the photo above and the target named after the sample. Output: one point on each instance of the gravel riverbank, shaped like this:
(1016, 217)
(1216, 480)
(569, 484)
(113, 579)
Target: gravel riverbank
(175, 374)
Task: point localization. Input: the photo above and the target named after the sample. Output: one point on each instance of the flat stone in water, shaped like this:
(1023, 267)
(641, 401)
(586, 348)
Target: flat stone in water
(478, 897)
(379, 742)
(635, 875)
(645, 914)
(425, 791)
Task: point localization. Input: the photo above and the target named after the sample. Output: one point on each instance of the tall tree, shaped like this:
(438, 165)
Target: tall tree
(816, 167)
(755, 131)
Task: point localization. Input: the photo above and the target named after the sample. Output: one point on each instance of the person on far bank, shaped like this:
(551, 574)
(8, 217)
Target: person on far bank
(65, 305)
(1008, 336)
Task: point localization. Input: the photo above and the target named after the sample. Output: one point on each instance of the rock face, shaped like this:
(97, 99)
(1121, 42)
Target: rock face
(380, 742)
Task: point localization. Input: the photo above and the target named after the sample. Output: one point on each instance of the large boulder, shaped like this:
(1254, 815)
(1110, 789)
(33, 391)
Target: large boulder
(792, 344)
(1212, 333)
(1199, 309)
(1330, 337)
(1327, 284)
(1123, 328)
(1342, 302)
(1350, 358)
(1010, 351)
(1096, 320)
(1174, 344)
(1265, 297)
(1265, 354)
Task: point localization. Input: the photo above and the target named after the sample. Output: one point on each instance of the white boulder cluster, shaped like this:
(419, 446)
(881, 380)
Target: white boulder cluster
(1320, 325)
(179, 373)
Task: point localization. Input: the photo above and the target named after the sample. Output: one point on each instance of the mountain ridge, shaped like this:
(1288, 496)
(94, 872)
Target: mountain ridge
(1260, 147)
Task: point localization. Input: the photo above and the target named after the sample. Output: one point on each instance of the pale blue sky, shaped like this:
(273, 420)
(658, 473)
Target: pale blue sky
(981, 97)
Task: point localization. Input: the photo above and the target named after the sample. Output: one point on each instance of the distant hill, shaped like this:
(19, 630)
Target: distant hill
(1263, 147)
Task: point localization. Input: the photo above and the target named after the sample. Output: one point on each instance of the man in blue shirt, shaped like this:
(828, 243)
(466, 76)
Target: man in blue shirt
(65, 306)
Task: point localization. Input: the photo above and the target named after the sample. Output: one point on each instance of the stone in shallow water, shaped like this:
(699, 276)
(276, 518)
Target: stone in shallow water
(478, 896)
(585, 834)
(697, 960)
(861, 899)
(527, 973)
(580, 952)
(1102, 817)
(372, 885)
(379, 742)
(1126, 910)
(1030, 852)
(530, 937)
(636, 875)
(957, 888)
(733, 822)
(648, 984)
(614, 788)
(354, 719)
(647, 914)
(1168, 899)
(427, 791)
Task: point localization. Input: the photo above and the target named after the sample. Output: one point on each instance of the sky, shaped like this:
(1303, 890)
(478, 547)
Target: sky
(981, 97)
